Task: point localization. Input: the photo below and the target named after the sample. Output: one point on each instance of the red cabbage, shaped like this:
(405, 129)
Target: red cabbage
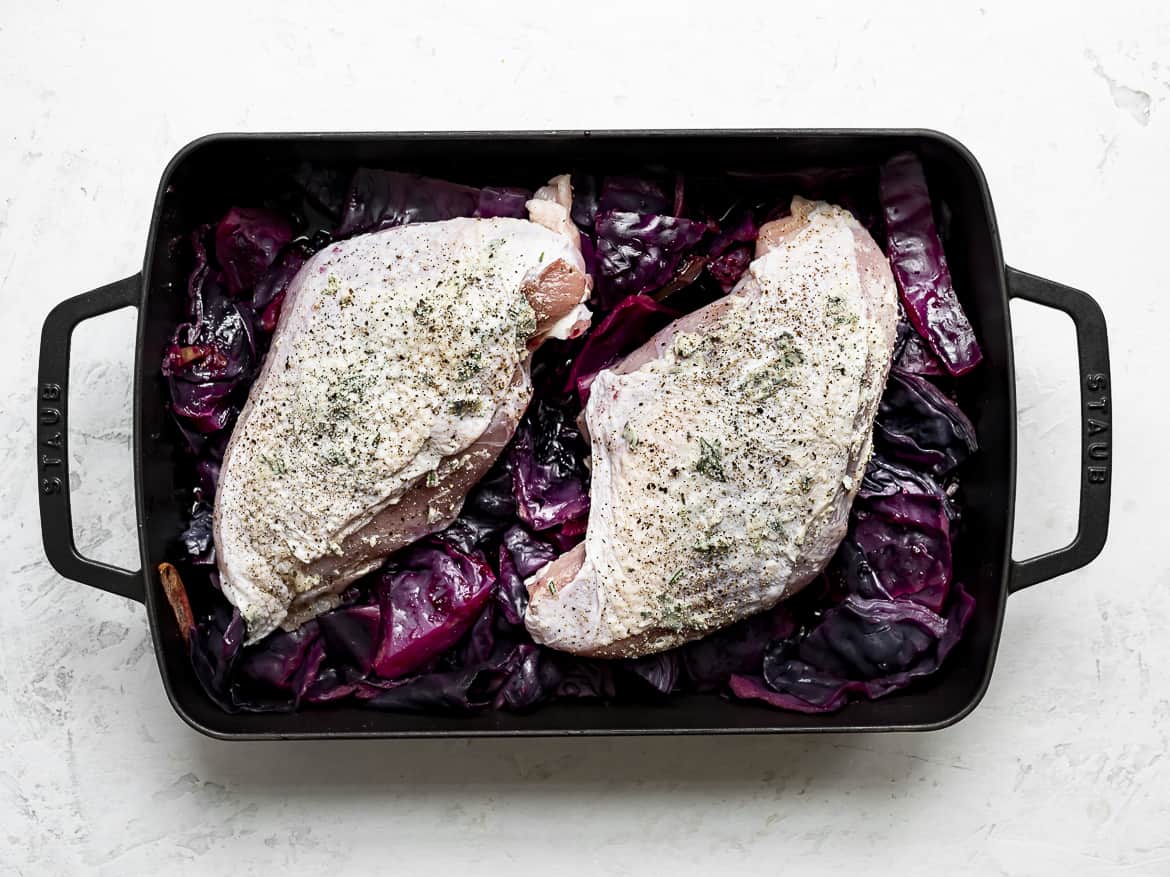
(584, 678)
(728, 268)
(462, 690)
(638, 252)
(707, 663)
(511, 595)
(864, 647)
(506, 201)
(732, 250)
(214, 647)
(429, 597)
(487, 511)
(917, 425)
(911, 353)
(632, 195)
(521, 556)
(488, 669)
(480, 642)
(549, 478)
(585, 195)
(270, 677)
(849, 572)
(920, 265)
(380, 199)
(288, 662)
(247, 241)
(268, 296)
(627, 327)
(206, 406)
(528, 553)
(197, 536)
(219, 330)
(533, 679)
(207, 477)
(211, 356)
(330, 684)
(568, 534)
(901, 522)
(352, 634)
(868, 639)
(659, 672)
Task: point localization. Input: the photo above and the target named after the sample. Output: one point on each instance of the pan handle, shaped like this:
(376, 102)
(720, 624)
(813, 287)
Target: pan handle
(1096, 428)
(53, 440)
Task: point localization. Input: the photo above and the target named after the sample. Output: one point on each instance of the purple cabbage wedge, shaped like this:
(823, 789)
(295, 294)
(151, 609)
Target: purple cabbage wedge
(506, 201)
(659, 672)
(213, 354)
(912, 355)
(268, 296)
(480, 643)
(917, 425)
(352, 634)
(206, 406)
(901, 522)
(428, 598)
(273, 676)
(488, 510)
(861, 647)
(585, 198)
(549, 478)
(583, 678)
(197, 537)
(528, 553)
(331, 684)
(461, 690)
(247, 242)
(639, 252)
(465, 680)
(569, 533)
(214, 647)
(733, 249)
(533, 680)
(207, 477)
(511, 596)
(626, 328)
(380, 199)
(920, 266)
(633, 195)
(521, 556)
(707, 663)
(288, 662)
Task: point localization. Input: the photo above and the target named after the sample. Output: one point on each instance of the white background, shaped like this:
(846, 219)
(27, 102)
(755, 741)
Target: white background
(1061, 770)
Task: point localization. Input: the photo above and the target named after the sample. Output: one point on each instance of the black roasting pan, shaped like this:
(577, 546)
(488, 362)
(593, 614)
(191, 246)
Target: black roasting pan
(216, 171)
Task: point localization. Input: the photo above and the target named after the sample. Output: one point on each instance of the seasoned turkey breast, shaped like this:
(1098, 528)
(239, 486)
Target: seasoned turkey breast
(727, 450)
(397, 374)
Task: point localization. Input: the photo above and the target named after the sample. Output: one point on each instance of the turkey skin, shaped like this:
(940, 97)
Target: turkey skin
(396, 376)
(727, 450)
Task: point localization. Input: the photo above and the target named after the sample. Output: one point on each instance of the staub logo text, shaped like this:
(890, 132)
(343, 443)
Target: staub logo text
(52, 439)
(1097, 428)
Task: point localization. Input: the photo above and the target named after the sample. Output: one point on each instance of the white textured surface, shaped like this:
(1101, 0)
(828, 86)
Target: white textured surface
(1062, 770)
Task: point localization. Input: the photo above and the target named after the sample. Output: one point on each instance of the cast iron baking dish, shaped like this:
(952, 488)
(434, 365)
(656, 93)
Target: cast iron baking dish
(216, 171)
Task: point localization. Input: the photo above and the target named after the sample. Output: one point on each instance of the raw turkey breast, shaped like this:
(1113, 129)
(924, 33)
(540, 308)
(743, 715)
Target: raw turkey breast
(727, 450)
(396, 376)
